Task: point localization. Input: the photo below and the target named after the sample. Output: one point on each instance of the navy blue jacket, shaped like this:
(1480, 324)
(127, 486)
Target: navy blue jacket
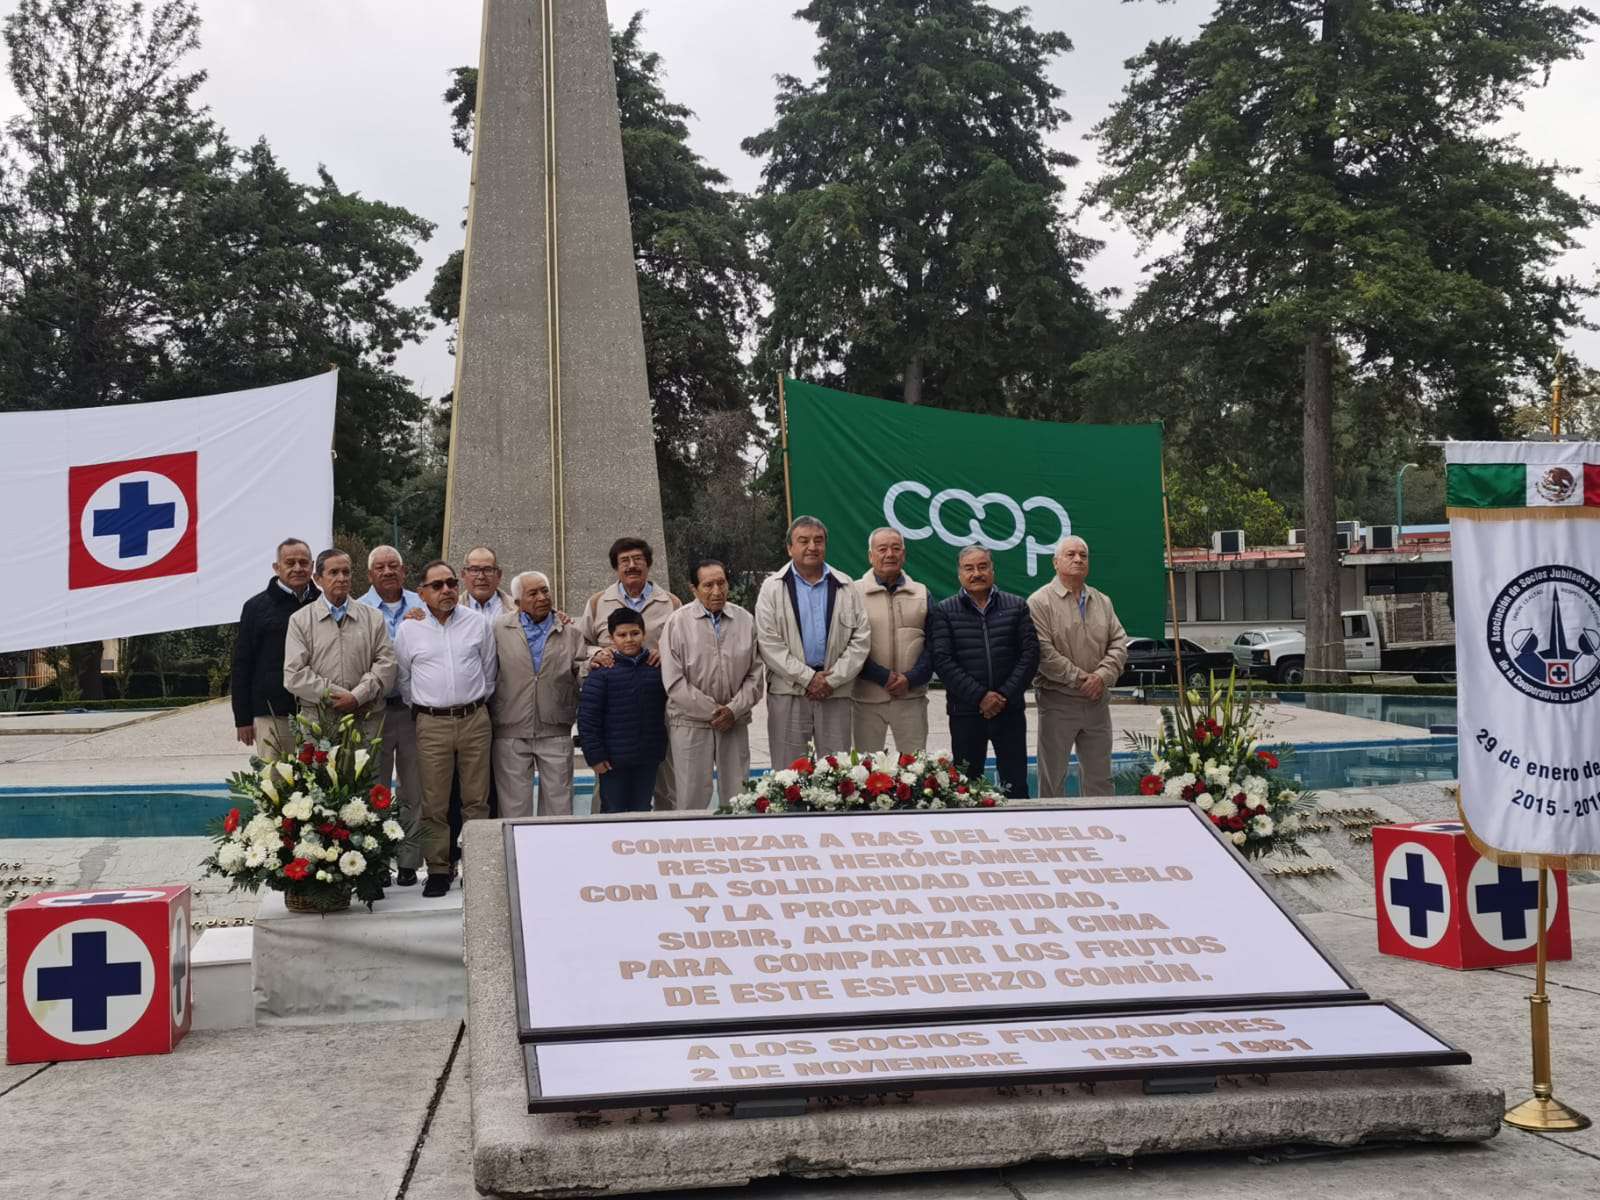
(996, 650)
(622, 714)
(258, 651)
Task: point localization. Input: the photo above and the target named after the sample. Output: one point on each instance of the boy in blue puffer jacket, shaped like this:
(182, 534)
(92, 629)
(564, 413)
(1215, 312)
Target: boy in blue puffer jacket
(622, 719)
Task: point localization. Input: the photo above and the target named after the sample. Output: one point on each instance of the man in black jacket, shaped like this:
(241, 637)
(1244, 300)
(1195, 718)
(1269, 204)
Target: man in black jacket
(261, 704)
(986, 651)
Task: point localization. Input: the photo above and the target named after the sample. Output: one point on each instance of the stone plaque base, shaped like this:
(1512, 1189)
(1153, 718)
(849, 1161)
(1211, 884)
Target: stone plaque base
(516, 1154)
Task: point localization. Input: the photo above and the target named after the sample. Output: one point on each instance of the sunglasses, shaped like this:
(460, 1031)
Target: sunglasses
(451, 584)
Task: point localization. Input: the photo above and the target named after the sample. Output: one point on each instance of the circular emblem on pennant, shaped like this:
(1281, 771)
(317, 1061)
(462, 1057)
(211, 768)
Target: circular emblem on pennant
(133, 520)
(88, 981)
(1544, 634)
(1416, 895)
(1503, 903)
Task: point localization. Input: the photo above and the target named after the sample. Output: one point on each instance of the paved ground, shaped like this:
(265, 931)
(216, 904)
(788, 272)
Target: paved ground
(383, 1111)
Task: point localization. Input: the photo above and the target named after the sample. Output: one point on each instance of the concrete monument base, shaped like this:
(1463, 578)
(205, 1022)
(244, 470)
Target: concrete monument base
(516, 1154)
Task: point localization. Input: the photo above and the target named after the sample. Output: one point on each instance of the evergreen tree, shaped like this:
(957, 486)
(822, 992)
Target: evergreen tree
(1326, 167)
(911, 210)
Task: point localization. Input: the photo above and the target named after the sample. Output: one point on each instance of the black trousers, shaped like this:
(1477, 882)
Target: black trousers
(971, 737)
(628, 789)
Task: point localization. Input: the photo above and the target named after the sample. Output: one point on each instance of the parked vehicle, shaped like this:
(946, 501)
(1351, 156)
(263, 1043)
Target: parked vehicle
(1280, 654)
(1152, 660)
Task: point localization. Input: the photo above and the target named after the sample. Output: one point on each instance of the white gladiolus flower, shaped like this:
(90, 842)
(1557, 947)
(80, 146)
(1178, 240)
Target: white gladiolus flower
(267, 786)
(355, 813)
(352, 862)
(230, 857)
(1261, 826)
(1239, 837)
(392, 830)
(285, 769)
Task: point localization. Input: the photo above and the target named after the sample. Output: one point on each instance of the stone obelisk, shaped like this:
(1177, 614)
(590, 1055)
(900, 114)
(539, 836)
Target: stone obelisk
(552, 456)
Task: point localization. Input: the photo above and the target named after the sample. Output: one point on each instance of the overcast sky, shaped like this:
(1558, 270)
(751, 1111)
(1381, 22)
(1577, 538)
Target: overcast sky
(356, 84)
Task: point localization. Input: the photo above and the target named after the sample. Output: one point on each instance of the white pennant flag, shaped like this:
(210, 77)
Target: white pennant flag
(140, 518)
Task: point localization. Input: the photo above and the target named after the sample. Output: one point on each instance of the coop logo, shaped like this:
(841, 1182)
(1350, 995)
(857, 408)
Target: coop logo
(1544, 634)
(968, 513)
(134, 519)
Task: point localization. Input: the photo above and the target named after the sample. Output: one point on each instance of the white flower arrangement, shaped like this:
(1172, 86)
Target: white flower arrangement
(872, 780)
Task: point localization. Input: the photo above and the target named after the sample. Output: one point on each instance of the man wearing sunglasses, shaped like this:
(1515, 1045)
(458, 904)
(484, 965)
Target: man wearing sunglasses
(448, 670)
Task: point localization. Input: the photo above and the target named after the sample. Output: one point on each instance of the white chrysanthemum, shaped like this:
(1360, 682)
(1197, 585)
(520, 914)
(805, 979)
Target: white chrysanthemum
(1218, 773)
(392, 830)
(298, 808)
(1176, 784)
(255, 856)
(261, 831)
(230, 857)
(371, 843)
(908, 777)
(1261, 826)
(1223, 806)
(786, 777)
(884, 802)
(859, 773)
(1204, 801)
(1286, 796)
(1239, 837)
(352, 862)
(308, 848)
(355, 813)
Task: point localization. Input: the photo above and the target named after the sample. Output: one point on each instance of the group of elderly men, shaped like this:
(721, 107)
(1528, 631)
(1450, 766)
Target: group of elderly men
(475, 688)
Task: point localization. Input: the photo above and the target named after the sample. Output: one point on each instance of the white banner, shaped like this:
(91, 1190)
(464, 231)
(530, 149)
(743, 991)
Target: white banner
(140, 518)
(1527, 606)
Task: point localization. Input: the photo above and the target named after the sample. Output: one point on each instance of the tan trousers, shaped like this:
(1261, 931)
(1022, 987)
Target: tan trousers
(794, 724)
(696, 749)
(906, 717)
(666, 792)
(1068, 721)
(446, 745)
(399, 756)
(274, 738)
(515, 762)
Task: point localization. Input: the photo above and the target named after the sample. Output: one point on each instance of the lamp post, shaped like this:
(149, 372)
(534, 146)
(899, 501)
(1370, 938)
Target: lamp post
(1400, 504)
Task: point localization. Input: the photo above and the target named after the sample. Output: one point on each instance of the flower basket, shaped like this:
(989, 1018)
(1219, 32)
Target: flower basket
(1208, 754)
(865, 781)
(314, 827)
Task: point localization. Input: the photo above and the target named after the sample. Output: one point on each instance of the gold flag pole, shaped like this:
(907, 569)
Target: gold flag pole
(1555, 400)
(783, 434)
(1180, 680)
(1542, 1112)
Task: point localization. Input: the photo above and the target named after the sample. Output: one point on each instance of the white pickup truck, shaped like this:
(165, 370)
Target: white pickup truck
(1279, 654)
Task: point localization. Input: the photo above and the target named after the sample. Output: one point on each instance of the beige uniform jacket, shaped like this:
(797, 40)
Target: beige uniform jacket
(529, 705)
(657, 610)
(898, 621)
(355, 654)
(1073, 644)
(778, 637)
(702, 671)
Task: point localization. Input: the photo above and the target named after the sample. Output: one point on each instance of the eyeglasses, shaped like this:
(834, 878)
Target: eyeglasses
(483, 570)
(443, 584)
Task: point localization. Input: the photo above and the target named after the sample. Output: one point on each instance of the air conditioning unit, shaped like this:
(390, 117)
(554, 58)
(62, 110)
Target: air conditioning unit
(1228, 541)
(1297, 537)
(1383, 537)
(1343, 540)
(1351, 528)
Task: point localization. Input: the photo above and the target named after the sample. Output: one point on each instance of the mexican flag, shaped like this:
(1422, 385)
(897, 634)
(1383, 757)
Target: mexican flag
(1526, 558)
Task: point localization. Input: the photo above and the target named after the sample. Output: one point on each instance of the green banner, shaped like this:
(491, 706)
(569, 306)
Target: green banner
(948, 479)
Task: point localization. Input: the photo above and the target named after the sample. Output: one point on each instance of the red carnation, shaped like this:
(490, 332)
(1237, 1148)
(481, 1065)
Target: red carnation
(322, 757)
(290, 825)
(902, 791)
(1200, 734)
(987, 802)
(288, 842)
(307, 752)
(1151, 785)
(325, 828)
(1269, 758)
(907, 759)
(1234, 822)
(298, 869)
(962, 790)
(847, 787)
(792, 793)
(342, 835)
(231, 821)
(878, 783)
(380, 797)
(803, 765)
(762, 804)
(1191, 790)
(832, 762)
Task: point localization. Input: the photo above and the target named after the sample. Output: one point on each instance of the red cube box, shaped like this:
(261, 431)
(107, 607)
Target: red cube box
(1439, 901)
(97, 974)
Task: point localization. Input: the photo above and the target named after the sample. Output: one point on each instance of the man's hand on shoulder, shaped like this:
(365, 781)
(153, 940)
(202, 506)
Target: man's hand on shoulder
(415, 614)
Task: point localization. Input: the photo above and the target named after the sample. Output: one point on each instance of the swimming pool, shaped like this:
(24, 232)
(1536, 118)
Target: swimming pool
(178, 810)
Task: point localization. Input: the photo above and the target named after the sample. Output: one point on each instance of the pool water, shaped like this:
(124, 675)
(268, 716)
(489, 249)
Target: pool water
(1422, 712)
(190, 811)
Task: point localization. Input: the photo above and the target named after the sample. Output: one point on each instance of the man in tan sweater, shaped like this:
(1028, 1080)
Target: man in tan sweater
(535, 701)
(891, 693)
(338, 654)
(1082, 650)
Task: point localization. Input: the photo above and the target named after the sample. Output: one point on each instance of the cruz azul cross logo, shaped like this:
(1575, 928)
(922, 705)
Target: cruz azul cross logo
(1544, 634)
(129, 520)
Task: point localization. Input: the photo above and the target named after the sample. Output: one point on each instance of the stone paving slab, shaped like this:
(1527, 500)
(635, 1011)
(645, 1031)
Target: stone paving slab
(59, 723)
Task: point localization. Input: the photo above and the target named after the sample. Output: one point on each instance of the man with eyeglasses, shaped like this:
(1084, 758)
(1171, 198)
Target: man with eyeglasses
(448, 671)
(484, 594)
(386, 571)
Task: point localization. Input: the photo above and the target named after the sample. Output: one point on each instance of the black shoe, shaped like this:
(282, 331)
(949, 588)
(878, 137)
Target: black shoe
(436, 886)
(407, 877)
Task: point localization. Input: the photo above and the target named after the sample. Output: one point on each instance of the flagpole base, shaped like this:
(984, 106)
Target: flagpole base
(1545, 1114)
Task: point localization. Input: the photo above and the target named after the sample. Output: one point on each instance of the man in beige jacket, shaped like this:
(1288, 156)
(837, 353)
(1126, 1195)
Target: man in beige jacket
(535, 701)
(713, 678)
(811, 631)
(338, 654)
(631, 559)
(891, 692)
(1082, 650)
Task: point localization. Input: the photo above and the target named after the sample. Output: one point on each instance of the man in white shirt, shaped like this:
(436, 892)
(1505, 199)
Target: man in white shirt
(386, 571)
(484, 595)
(448, 670)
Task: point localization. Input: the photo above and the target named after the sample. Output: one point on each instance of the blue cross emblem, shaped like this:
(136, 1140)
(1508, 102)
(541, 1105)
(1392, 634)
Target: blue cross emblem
(1416, 895)
(89, 981)
(100, 898)
(1511, 897)
(134, 519)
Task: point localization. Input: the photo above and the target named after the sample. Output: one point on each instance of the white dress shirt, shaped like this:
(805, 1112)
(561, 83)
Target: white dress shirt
(449, 664)
(491, 608)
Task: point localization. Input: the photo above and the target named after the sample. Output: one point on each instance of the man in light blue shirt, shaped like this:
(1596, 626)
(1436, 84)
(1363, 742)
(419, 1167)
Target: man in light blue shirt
(811, 603)
(386, 571)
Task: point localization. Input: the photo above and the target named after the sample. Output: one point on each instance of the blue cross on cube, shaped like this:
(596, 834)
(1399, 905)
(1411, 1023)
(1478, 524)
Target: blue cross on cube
(1416, 895)
(1512, 897)
(100, 898)
(134, 519)
(90, 981)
